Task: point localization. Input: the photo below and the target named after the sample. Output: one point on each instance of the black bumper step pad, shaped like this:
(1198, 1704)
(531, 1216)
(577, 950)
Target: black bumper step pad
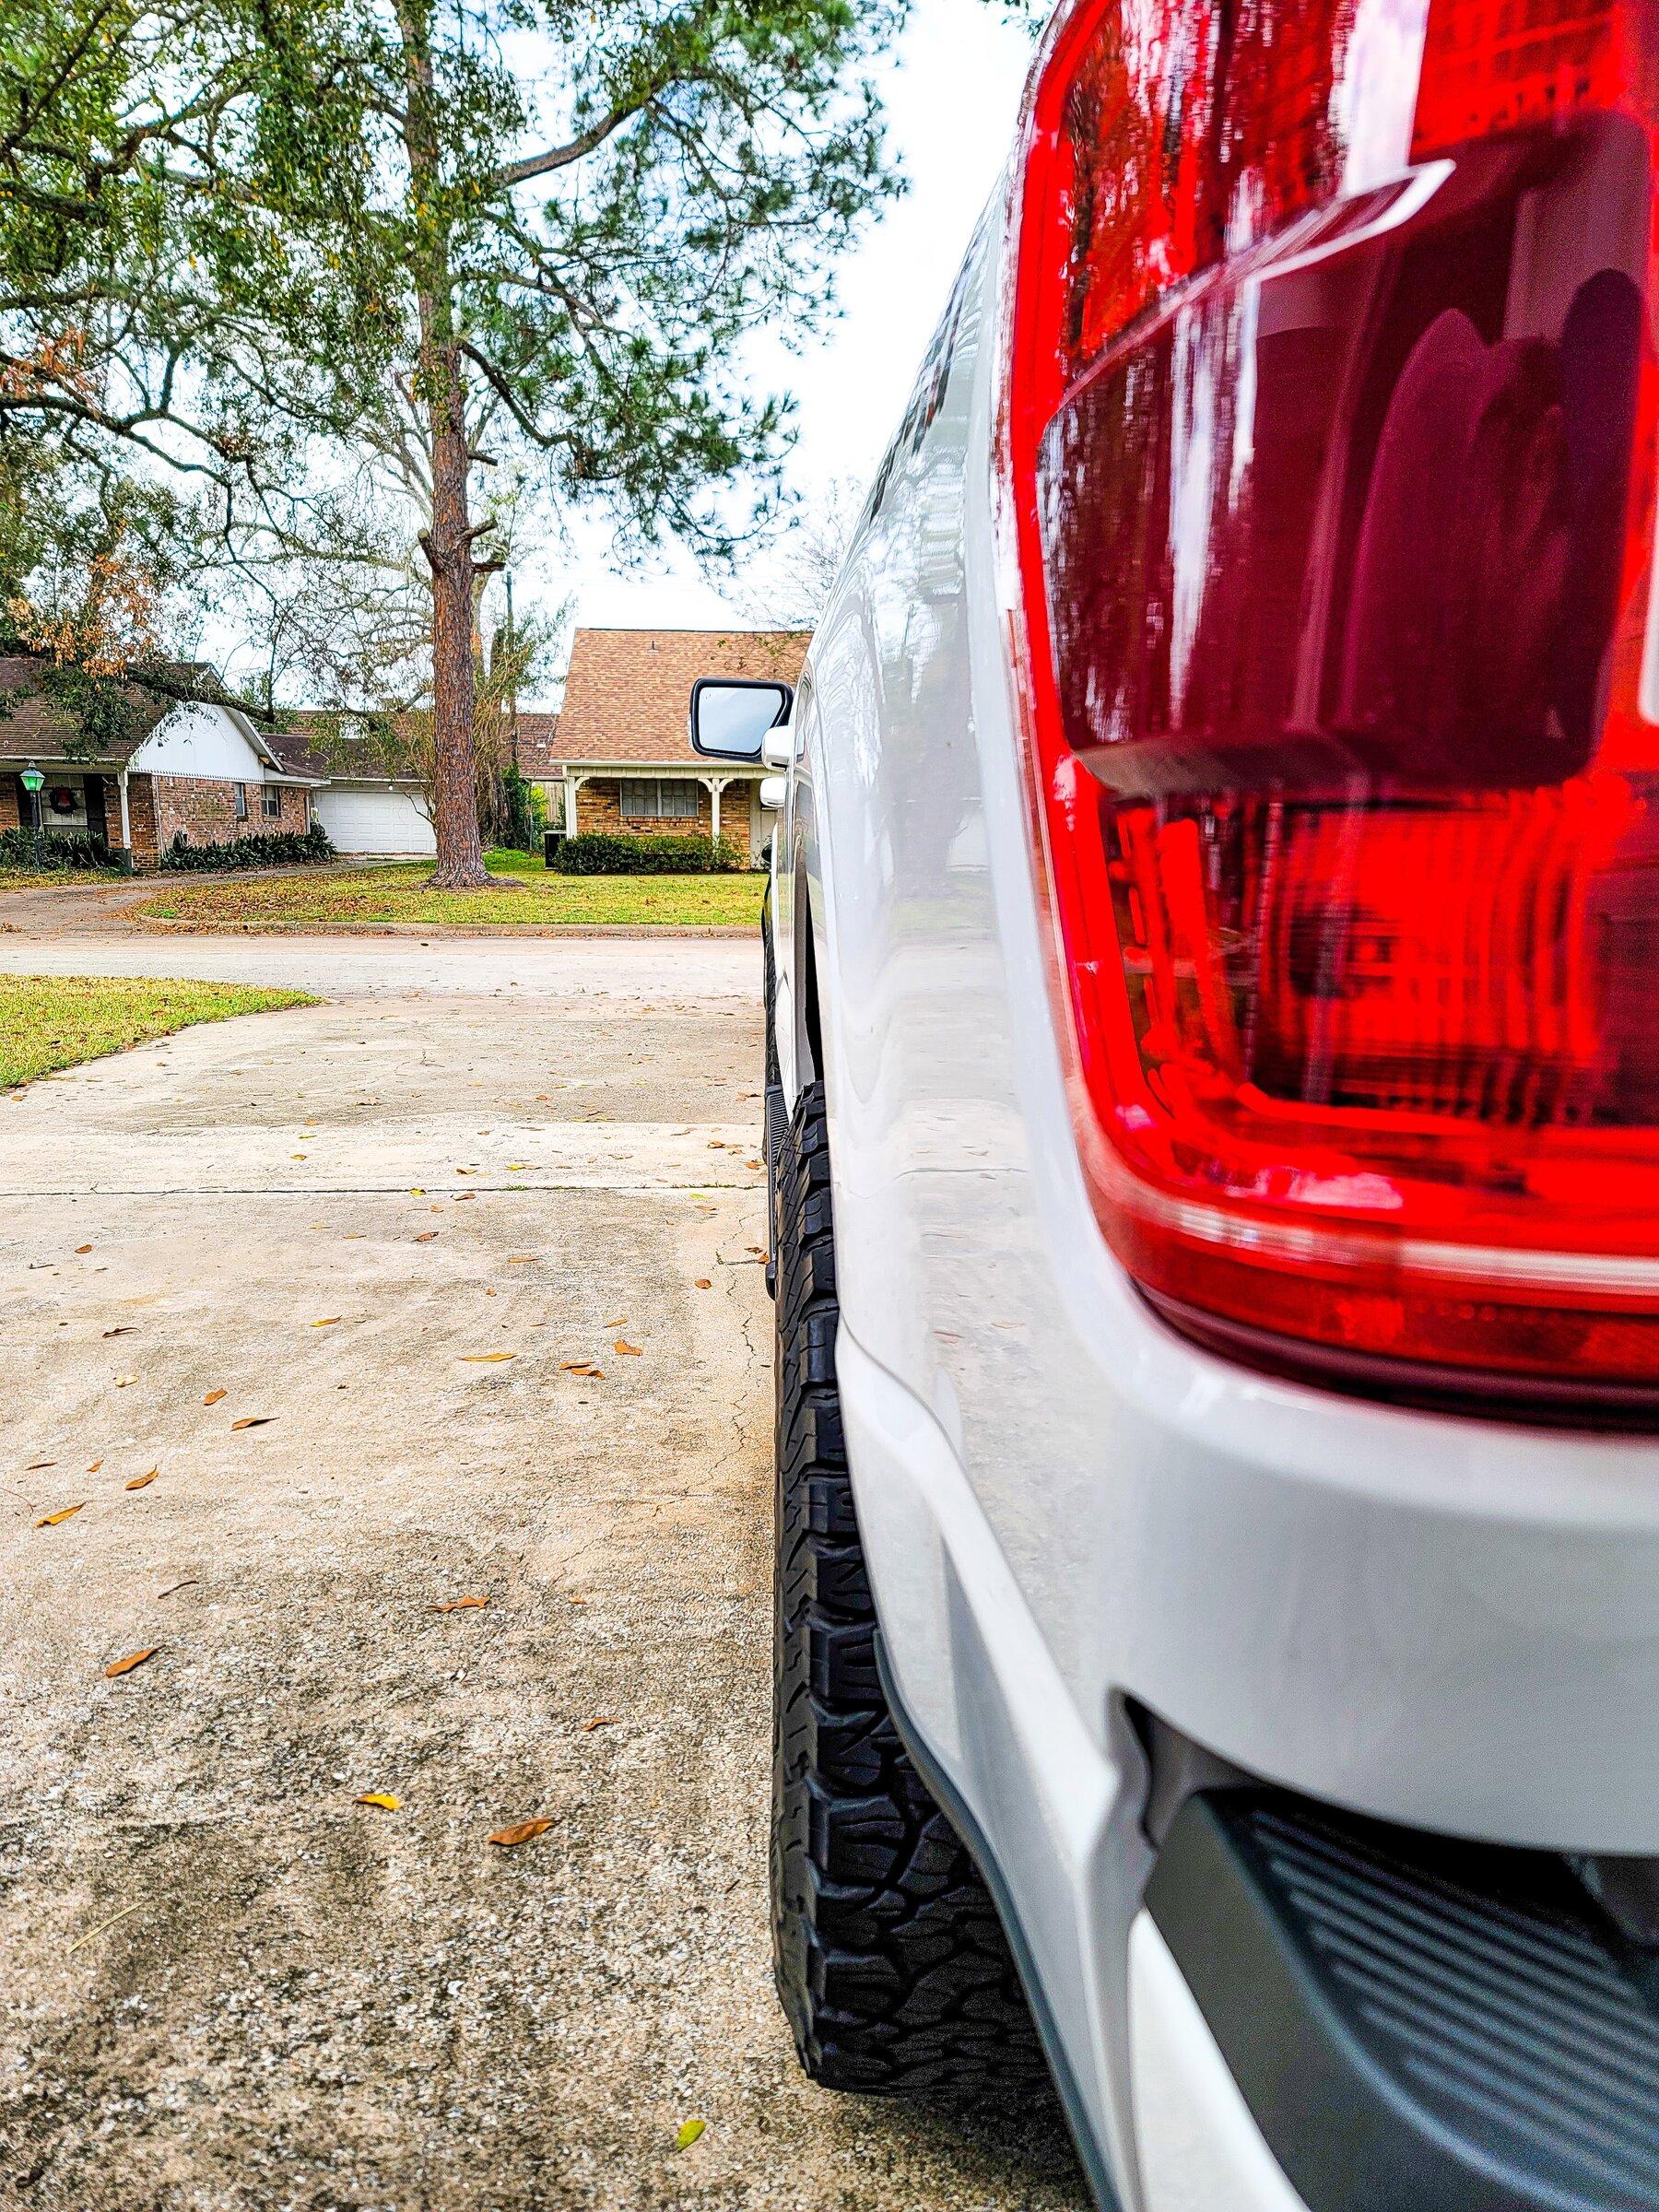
(1417, 2025)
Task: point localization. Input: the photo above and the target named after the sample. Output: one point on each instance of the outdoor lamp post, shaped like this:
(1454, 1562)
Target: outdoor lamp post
(31, 780)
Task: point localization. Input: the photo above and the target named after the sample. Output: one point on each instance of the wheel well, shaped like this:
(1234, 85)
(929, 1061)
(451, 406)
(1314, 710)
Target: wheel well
(808, 1023)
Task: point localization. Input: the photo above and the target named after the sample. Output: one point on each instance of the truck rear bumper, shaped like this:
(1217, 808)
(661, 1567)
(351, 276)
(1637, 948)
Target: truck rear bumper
(1441, 1629)
(1328, 2015)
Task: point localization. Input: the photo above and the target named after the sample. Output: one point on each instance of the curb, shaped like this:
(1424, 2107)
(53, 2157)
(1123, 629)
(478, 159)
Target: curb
(430, 932)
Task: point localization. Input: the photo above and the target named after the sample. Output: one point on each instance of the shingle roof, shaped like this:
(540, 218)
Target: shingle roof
(628, 692)
(627, 698)
(344, 756)
(32, 722)
(355, 753)
(538, 742)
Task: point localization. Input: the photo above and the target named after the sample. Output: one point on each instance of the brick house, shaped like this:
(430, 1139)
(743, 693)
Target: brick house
(617, 756)
(196, 766)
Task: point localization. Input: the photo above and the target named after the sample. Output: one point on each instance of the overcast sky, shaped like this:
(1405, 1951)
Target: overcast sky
(952, 93)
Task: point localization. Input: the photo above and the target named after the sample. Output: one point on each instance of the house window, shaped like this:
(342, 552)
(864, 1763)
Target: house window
(658, 799)
(242, 802)
(65, 806)
(270, 803)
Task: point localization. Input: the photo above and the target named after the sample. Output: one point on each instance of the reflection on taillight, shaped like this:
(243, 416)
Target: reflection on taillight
(1491, 65)
(1333, 498)
(1447, 960)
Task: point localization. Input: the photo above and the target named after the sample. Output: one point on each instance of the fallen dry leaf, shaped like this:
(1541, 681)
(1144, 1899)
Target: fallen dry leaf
(464, 1197)
(142, 1482)
(521, 1259)
(35, 1466)
(629, 1351)
(121, 1332)
(485, 1359)
(426, 1236)
(328, 1322)
(123, 1382)
(253, 1421)
(81, 1249)
(459, 1605)
(64, 1513)
(514, 1166)
(94, 1467)
(603, 1719)
(703, 1282)
(521, 1831)
(384, 1799)
(689, 2131)
(132, 1659)
(613, 1325)
(214, 1397)
(296, 1156)
(754, 1164)
(577, 1601)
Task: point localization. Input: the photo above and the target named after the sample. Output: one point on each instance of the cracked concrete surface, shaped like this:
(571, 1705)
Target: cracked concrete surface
(227, 1987)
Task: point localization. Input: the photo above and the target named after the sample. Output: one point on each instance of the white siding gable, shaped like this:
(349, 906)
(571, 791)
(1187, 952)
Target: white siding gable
(197, 738)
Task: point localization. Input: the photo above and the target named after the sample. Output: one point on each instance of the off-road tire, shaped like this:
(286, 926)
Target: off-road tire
(889, 1956)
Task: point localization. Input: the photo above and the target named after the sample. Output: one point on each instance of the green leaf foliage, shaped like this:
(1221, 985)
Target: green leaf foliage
(229, 226)
(598, 852)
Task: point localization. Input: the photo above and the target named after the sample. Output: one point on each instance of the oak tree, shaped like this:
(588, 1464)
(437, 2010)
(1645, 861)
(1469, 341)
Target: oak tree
(453, 235)
(312, 258)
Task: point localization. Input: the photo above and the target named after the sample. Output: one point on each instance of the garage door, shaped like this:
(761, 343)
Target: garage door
(365, 820)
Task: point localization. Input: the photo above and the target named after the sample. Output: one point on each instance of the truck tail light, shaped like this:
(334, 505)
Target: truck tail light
(1330, 425)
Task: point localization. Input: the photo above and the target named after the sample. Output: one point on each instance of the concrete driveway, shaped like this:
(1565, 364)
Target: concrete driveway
(225, 1983)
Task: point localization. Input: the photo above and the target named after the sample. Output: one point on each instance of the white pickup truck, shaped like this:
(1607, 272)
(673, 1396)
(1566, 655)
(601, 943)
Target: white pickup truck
(1213, 1122)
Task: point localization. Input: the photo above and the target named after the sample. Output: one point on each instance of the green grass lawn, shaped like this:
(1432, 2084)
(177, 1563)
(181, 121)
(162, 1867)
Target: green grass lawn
(531, 893)
(50, 1021)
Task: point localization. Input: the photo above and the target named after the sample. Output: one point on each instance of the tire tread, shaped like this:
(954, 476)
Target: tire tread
(889, 1959)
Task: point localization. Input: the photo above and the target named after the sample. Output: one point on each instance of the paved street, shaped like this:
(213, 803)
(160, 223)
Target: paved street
(391, 1230)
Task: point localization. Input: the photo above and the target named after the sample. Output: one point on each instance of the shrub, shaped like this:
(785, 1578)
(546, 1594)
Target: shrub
(523, 809)
(595, 852)
(53, 851)
(285, 849)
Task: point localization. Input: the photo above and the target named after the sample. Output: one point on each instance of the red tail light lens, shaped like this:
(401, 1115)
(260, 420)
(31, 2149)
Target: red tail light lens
(1331, 423)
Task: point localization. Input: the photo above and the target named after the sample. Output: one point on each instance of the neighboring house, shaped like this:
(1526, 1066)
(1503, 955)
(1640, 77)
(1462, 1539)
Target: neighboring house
(198, 766)
(366, 801)
(619, 755)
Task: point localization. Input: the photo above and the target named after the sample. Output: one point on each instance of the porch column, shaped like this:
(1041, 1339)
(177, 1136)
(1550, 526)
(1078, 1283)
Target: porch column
(126, 827)
(572, 785)
(716, 784)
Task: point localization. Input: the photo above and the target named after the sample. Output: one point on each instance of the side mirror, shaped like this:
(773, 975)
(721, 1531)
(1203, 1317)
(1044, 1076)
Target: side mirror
(730, 717)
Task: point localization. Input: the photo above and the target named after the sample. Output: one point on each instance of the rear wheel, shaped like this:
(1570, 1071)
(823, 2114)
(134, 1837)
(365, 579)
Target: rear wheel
(890, 1958)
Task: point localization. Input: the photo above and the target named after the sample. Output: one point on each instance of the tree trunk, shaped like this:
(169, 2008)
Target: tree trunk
(448, 545)
(449, 551)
